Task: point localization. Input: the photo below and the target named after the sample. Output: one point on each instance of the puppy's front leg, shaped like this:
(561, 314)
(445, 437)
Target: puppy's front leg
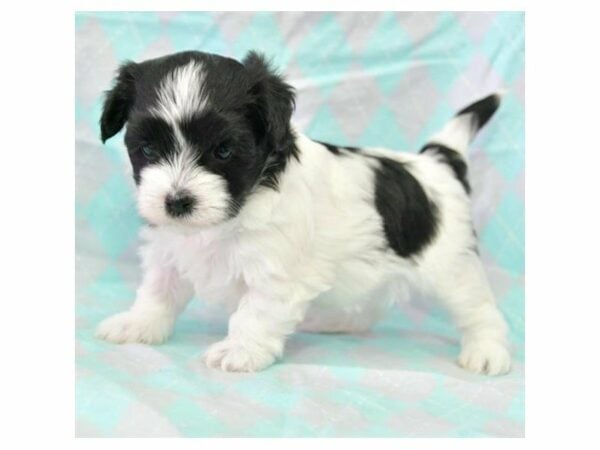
(150, 320)
(257, 332)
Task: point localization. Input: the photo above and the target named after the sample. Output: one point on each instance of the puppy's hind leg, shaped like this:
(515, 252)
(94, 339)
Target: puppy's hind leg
(463, 288)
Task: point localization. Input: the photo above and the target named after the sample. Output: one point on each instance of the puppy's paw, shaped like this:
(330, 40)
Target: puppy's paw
(489, 357)
(130, 327)
(231, 356)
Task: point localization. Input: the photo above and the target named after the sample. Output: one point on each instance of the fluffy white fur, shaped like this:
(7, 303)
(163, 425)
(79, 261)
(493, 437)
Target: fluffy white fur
(181, 174)
(308, 256)
(181, 93)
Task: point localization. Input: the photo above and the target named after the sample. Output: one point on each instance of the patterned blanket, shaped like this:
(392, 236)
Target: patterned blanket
(387, 79)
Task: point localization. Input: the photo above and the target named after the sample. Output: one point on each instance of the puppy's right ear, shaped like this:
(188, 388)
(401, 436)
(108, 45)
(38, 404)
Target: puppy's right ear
(118, 102)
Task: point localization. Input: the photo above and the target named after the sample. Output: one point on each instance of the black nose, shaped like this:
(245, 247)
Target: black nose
(179, 204)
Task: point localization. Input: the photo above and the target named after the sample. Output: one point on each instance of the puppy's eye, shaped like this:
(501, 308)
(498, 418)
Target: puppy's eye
(149, 152)
(223, 152)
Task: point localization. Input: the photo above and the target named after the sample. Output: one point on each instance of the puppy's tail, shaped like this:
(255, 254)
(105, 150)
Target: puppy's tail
(458, 133)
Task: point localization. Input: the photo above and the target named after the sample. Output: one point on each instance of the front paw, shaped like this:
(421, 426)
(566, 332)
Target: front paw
(139, 326)
(232, 356)
(485, 356)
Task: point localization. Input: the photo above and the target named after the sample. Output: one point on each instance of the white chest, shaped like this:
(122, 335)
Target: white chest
(212, 266)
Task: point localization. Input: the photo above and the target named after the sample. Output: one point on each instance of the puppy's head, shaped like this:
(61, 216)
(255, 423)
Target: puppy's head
(202, 132)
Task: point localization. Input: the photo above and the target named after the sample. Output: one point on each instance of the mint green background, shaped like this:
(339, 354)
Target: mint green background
(387, 79)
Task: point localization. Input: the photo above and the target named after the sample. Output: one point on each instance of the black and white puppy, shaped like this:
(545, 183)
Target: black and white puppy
(288, 232)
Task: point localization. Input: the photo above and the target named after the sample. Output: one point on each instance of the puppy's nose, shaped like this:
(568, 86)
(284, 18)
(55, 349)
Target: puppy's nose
(179, 204)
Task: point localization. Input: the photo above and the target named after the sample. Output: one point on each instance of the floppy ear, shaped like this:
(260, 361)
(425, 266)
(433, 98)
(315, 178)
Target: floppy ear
(272, 102)
(118, 102)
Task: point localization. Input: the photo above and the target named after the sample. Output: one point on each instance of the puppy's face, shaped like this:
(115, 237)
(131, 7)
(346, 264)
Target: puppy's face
(202, 132)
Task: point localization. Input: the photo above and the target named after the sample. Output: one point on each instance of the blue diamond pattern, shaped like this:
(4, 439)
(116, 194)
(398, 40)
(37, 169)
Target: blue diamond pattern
(399, 379)
(324, 127)
(324, 55)
(449, 49)
(381, 50)
(383, 131)
(504, 234)
(263, 34)
(506, 27)
(131, 33)
(509, 136)
(196, 31)
(111, 214)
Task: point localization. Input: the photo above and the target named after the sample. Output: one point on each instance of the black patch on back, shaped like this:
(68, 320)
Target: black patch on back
(453, 159)
(337, 149)
(483, 109)
(332, 148)
(410, 218)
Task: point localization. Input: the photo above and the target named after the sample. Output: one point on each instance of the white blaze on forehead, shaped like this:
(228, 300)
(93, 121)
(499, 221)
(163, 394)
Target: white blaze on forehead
(181, 93)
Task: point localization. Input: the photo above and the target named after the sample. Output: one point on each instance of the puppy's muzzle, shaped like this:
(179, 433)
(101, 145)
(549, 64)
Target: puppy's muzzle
(179, 204)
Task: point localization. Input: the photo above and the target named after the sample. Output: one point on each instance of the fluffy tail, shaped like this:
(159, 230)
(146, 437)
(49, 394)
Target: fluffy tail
(460, 131)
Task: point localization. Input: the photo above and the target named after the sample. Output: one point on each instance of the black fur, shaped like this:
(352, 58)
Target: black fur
(249, 111)
(336, 149)
(410, 218)
(270, 112)
(148, 130)
(118, 102)
(180, 205)
(453, 159)
(482, 109)
(332, 148)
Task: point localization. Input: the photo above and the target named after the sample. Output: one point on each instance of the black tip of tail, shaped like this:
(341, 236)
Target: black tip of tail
(482, 109)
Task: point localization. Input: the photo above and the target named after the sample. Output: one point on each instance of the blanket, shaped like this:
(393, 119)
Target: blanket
(385, 79)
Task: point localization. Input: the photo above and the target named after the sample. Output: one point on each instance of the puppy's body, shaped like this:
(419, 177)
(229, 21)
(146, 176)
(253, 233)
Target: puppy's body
(336, 237)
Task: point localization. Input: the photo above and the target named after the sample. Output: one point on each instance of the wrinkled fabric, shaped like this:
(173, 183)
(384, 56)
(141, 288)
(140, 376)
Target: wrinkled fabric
(384, 79)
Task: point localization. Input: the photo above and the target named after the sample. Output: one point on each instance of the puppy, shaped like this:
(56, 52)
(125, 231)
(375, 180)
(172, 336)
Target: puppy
(287, 232)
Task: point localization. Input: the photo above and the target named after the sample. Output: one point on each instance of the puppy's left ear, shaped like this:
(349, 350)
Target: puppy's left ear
(272, 102)
(118, 102)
